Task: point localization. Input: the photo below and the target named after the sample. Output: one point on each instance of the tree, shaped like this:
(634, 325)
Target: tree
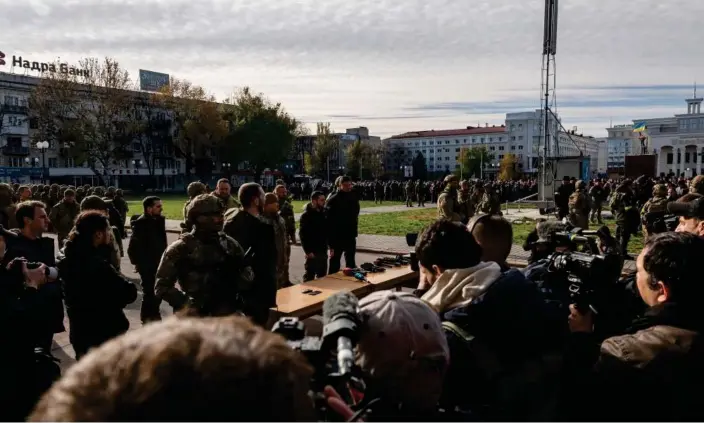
(198, 123)
(152, 133)
(262, 133)
(420, 168)
(375, 162)
(356, 153)
(308, 165)
(324, 145)
(88, 112)
(508, 169)
(365, 159)
(471, 160)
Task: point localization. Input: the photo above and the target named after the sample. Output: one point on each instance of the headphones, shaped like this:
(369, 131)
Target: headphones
(475, 220)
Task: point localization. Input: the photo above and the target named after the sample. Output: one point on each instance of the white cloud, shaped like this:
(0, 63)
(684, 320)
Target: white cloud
(369, 62)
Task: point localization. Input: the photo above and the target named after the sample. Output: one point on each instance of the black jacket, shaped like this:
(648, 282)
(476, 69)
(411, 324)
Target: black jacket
(342, 212)
(95, 295)
(313, 230)
(148, 243)
(251, 232)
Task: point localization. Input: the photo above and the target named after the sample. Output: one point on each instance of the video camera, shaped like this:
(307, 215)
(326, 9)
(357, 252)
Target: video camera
(332, 356)
(659, 222)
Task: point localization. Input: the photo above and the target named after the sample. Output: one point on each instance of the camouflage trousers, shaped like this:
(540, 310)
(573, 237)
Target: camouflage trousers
(579, 220)
(282, 277)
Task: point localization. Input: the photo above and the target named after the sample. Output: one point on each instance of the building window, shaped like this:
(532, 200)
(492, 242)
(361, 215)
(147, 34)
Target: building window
(669, 158)
(70, 162)
(520, 138)
(491, 139)
(513, 138)
(492, 148)
(447, 141)
(457, 150)
(520, 126)
(694, 123)
(11, 100)
(447, 150)
(15, 161)
(501, 156)
(686, 157)
(447, 159)
(456, 157)
(53, 162)
(464, 141)
(513, 147)
(457, 141)
(501, 148)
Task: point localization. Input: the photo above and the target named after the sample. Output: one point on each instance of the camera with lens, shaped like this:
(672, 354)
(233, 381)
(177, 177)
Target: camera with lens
(15, 268)
(659, 222)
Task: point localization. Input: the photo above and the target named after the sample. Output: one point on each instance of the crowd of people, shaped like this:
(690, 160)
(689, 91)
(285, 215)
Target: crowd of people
(475, 340)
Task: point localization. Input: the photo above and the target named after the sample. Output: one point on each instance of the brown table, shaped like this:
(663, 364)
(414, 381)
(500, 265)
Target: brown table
(293, 302)
(391, 278)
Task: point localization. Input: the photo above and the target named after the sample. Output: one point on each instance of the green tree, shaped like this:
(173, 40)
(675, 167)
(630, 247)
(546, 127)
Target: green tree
(354, 160)
(508, 168)
(420, 168)
(261, 132)
(471, 160)
(324, 145)
(308, 165)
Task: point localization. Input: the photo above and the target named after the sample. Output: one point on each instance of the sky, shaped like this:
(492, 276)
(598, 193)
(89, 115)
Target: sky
(390, 65)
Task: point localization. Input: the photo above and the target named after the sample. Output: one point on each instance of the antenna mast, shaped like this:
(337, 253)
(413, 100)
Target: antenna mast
(548, 86)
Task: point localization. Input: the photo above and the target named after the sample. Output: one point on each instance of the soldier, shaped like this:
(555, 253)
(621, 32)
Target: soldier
(420, 193)
(271, 217)
(490, 203)
(7, 207)
(208, 265)
(63, 215)
(121, 205)
(697, 185)
(194, 189)
(623, 207)
(378, 193)
(409, 193)
(447, 201)
(80, 194)
(466, 205)
(287, 214)
(653, 212)
(597, 195)
(579, 206)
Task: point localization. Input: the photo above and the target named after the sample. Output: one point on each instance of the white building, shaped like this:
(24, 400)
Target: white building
(678, 141)
(603, 156)
(622, 142)
(526, 129)
(571, 144)
(21, 162)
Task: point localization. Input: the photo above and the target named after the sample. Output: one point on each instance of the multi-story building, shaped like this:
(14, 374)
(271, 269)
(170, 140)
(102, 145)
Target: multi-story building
(621, 142)
(571, 144)
(22, 162)
(603, 157)
(678, 141)
(526, 129)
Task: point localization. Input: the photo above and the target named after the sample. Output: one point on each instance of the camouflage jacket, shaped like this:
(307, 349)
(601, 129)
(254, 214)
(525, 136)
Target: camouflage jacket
(63, 215)
(466, 205)
(489, 204)
(289, 218)
(447, 206)
(579, 203)
(211, 274)
(655, 205)
(282, 247)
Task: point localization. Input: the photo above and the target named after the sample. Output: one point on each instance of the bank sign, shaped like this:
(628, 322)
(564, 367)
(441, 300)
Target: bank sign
(42, 67)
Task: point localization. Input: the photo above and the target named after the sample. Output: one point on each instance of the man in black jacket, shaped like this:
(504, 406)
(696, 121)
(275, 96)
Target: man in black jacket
(146, 247)
(313, 237)
(342, 212)
(250, 232)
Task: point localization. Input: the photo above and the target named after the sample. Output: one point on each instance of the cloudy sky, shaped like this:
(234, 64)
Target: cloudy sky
(390, 65)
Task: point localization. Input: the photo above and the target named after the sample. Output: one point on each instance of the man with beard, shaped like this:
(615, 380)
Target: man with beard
(194, 190)
(245, 227)
(342, 211)
(289, 218)
(147, 245)
(283, 249)
(222, 192)
(207, 264)
(63, 215)
(447, 201)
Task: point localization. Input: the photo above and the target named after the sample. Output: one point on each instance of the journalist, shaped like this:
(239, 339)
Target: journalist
(185, 369)
(482, 308)
(659, 358)
(690, 209)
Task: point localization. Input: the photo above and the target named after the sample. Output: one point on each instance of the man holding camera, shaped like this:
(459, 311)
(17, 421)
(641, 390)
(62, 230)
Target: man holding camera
(690, 209)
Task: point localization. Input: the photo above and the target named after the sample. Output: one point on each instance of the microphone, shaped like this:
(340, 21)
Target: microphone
(340, 328)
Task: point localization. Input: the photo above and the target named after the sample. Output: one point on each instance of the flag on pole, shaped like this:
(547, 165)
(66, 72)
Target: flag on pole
(639, 127)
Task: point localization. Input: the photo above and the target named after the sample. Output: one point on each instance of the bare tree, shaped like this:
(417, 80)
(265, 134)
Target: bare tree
(325, 144)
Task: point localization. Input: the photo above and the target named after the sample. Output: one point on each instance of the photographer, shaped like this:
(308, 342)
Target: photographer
(690, 209)
(503, 315)
(659, 356)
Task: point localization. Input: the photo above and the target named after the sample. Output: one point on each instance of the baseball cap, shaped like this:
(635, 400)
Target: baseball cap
(403, 347)
(690, 209)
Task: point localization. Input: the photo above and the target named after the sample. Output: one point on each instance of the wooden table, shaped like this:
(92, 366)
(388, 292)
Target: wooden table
(293, 302)
(391, 278)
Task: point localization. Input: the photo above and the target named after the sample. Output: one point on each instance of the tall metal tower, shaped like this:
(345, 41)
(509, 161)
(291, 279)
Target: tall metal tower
(547, 90)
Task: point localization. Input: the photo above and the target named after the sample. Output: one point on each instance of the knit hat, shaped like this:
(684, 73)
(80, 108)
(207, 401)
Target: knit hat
(403, 347)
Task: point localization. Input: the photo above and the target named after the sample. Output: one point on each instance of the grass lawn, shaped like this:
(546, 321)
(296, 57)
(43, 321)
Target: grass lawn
(173, 205)
(401, 223)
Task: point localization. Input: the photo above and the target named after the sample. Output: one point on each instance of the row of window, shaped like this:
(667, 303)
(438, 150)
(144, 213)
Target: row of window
(687, 158)
(691, 124)
(11, 100)
(473, 140)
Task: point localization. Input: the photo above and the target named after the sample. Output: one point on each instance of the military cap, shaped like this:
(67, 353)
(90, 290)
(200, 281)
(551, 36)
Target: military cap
(93, 202)
(118, 192)
(451, 178)
(660, 190)
(697, 185)
(195, 188)
(204, 204)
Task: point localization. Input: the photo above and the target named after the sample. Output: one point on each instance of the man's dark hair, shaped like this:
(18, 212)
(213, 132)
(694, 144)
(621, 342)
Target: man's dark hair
(69, 193)
(27, 209)
(149, 201)
(223, 181)
(497, 231)
(316, 194)
(22, 189)
(448, 245)
(344, 179)
(673, 259)
(248, 192)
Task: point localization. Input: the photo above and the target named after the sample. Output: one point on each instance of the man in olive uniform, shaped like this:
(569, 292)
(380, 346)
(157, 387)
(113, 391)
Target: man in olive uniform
(121, 205)
(63, 215)
(287, 214)
(696, 186)
(579, 206)
(654, 209)
(409, 193)
(272, 217)
(193, 190)
(447, 200)
(80, 194)
(490, 203)
(597, 195)
(466, 205)
(420, 193)
(623, 207)
(207, 264)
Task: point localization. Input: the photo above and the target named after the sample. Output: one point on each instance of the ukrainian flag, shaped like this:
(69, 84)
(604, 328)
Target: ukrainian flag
(639, 127)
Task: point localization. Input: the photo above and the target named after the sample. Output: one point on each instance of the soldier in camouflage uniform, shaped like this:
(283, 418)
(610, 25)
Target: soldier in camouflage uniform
(466, 205)
(286, 212)
(447, 200)
(207, 264)
(420, 193)
(490, 203)
(271, 217)
(194, 189)
(409, 193)
(579, 206)
(696, 186)
(63, 215)
(653, 210)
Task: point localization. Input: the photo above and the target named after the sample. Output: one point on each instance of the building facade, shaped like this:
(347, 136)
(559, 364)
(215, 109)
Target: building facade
(678, 141)
(22, 162)
(571, 144)
(621, 142)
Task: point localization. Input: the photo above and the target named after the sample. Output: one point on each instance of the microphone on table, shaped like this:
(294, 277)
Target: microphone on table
(355, 274)
(340, 326)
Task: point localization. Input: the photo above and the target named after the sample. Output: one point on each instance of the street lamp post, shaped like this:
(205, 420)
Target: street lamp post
(227, 168)
(43, 146)
(33, 161)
